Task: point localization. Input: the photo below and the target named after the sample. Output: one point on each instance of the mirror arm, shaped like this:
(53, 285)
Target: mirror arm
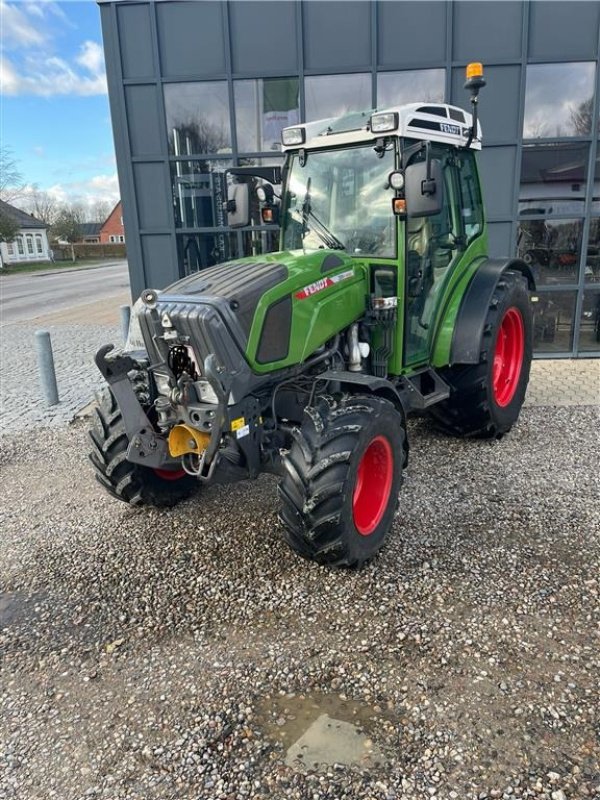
(428, 186)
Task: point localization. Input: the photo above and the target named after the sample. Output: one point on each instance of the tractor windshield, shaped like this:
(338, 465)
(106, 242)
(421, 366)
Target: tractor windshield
(338, 200)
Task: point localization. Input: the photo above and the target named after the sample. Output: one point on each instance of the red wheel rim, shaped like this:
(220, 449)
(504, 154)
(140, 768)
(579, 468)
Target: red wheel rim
(373, 485)
(508, 357)
(170, 474)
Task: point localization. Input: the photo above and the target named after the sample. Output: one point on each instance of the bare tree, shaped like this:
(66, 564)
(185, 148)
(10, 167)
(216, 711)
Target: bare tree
(98, 211)
(197, 136)
(11, 177)
(68, 225)
(581, 117)
(41, 205)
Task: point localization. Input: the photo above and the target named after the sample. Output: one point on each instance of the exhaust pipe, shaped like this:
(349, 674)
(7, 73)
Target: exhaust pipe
(354, 354)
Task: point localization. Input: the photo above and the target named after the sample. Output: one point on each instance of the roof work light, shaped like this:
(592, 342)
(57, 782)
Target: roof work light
(292, 136)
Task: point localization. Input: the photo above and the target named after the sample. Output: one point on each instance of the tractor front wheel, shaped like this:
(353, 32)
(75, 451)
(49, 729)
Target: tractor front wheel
(486, 398)
(131, 483)
(342, 477)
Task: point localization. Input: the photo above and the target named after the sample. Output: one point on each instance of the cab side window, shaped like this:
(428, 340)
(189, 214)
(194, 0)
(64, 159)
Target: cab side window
(470, 195)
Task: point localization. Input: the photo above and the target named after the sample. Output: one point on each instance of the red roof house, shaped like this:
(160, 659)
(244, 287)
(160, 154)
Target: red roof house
(112, 231)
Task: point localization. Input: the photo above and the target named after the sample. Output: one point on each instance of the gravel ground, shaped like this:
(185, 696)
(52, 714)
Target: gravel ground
(174, 654)
(74, 347)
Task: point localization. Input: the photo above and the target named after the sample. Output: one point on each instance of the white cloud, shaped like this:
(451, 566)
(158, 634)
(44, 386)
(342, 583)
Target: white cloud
(17, 30)
(33, 68)
(87, 192)
(91, 58)
(50, 75)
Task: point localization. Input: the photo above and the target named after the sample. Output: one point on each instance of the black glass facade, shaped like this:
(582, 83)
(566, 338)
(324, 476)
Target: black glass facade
(198, 86)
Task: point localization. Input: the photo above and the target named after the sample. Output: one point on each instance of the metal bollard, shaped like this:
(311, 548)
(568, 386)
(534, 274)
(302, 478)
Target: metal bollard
(125, 317)
(45, 359)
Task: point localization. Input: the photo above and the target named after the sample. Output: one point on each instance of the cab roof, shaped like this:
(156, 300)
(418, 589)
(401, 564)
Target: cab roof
(438, 122)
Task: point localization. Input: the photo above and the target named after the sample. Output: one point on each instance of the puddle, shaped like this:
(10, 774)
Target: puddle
(321, 730)
(330, 741)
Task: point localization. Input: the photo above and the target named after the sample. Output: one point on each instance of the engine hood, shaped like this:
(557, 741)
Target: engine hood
(279, 307)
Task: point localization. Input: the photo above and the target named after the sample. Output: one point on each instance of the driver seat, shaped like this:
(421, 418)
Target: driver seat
(418, 235)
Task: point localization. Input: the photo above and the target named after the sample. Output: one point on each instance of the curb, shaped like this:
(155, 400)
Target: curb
(62, 271)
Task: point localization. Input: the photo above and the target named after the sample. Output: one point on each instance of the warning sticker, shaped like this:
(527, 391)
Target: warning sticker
(323, 283)
(241, 432)
(238, 423)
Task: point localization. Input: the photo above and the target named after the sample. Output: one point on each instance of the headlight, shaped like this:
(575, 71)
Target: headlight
(135, 340)
(291, 136)
(380, 123)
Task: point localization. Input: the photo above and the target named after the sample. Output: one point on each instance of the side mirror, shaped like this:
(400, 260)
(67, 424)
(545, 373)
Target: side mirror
(424, 193)
(238, 205)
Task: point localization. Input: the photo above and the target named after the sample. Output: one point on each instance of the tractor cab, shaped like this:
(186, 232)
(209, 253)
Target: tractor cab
(395, 189)
(398, 188)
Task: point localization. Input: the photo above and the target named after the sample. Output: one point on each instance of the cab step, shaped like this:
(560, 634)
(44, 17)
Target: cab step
(423, 389)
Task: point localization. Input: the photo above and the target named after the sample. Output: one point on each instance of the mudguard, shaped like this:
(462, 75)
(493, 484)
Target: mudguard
(468, 328)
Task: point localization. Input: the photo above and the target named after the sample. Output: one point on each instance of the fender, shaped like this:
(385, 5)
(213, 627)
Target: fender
(368, 383)
(468, 328)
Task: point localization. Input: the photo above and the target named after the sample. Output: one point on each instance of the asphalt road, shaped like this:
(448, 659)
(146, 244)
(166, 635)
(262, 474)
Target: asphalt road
(26, 296)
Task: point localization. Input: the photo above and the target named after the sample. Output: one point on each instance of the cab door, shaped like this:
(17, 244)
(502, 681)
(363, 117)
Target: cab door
(433, 246)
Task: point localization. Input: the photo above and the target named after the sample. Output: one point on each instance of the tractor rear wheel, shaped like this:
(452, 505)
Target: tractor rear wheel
(486, 398)
(342, 475)
(124, 480)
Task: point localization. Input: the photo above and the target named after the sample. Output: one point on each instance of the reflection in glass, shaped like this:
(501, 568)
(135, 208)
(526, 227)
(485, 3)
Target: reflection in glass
(589, 331)
(333, 95)
(553, 314)
(197, 118)
(263, 108)
(199, 191)
(338, 200)
(410, 86)
(592, 263)
(551, 248)
(257, 242)
(200, 250)
(558, 100)
(553, 179)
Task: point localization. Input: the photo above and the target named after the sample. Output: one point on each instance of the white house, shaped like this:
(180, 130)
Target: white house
(30, 243)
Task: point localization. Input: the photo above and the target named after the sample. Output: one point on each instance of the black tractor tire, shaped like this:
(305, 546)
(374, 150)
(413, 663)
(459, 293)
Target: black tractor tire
(486, 398)
(341, 480)
(131, 483)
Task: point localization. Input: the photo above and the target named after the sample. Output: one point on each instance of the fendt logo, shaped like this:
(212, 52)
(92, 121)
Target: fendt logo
(323, 283)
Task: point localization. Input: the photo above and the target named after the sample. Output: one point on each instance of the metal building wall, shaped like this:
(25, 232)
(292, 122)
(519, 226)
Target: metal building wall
(158, 50)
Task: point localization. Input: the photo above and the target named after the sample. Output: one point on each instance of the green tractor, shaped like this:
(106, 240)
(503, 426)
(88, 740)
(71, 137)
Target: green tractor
(381, 302)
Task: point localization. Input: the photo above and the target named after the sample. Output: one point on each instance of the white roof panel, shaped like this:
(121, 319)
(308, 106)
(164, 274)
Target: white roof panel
(438, 122)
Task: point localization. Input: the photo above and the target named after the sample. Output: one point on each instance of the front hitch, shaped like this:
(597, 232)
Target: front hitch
(146, 447)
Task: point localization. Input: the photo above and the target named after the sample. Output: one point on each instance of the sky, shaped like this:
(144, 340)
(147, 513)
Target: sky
(54, 109)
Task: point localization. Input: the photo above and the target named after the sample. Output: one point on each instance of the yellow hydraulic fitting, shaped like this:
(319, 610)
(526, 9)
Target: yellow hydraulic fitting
(185, 439)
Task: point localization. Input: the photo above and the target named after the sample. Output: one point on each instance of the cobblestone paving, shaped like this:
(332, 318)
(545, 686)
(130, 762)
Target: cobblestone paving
(564, 382)
(77, 376)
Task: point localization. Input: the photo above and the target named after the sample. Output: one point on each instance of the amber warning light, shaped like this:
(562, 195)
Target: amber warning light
(474, 70)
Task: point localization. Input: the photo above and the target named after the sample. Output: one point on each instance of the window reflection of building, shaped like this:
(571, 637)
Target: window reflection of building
(552, 248)
(589, 333)
(553, 321)
(551, 207)
(397, 88)
(263, 107)
(334, 95)
(592, 262)
(559, 100)
(199, 191)
(197, 117)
